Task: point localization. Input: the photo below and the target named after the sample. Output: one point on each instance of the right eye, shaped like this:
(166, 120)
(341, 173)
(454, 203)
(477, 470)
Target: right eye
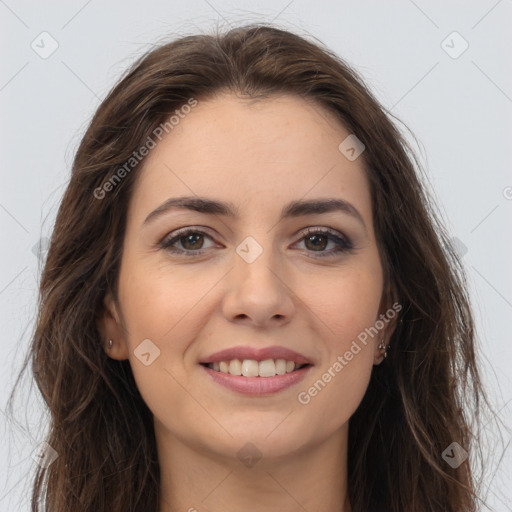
(188, 238)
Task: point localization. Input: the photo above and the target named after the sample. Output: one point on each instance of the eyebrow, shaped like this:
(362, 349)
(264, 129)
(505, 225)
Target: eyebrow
(293, 209)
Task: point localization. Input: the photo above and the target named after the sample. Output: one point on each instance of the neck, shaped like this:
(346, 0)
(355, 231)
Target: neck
(311, 478)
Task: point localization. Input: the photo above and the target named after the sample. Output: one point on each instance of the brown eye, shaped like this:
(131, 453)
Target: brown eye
(316, 242)
(192, 241)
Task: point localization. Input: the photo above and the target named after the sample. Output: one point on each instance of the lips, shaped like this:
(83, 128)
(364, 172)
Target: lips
(257, 386)
(235, 368)
(261, 354)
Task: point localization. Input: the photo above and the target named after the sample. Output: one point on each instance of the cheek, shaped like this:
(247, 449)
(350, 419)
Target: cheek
(345, 312)
(161, 305)
(160, 302)
(332, 395)
(168, 317)
(347, 302)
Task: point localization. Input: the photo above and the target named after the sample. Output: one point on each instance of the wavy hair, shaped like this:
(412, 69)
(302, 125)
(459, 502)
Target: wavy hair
(426, 394)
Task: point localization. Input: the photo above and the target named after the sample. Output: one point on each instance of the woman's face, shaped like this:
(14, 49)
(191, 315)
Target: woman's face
(254, 279)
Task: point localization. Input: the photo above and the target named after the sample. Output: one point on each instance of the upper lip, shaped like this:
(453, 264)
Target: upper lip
(259, 354)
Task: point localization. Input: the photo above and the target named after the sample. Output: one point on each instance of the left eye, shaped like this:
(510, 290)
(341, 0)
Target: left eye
(342, 243)
(192, 240)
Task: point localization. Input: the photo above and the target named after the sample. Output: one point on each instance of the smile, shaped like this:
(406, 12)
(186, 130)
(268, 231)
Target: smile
(253, 368)
(256, 377)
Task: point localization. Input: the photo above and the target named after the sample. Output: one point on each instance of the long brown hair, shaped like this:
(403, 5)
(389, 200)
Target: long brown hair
(421, 399)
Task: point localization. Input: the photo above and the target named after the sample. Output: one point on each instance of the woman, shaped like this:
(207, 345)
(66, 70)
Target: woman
(249, 301)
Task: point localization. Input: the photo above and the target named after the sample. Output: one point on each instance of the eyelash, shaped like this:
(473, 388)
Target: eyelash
(344, 244)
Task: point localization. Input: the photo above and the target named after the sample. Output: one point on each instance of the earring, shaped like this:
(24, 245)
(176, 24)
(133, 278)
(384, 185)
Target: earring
(383, 346)
(110, 344)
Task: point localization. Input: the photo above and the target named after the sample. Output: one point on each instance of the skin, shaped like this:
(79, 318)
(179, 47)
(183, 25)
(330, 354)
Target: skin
(258, 155)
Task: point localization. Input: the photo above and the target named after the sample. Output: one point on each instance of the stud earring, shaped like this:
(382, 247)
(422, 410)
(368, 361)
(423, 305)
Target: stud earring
(110, 344)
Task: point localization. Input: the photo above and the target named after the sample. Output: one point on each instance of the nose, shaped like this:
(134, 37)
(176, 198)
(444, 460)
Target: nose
(258, 293)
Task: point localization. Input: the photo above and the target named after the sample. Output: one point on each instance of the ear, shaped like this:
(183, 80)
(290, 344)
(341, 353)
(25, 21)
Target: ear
(388, 314)
(110, 327)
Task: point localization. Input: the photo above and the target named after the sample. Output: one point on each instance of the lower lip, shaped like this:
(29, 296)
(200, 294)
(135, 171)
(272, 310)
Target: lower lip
(258, 386)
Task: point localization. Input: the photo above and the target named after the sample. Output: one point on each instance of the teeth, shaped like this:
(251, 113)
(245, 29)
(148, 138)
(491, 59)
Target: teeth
(235, 367)
(250, 368)
(281, 366)
(253, 368)
(267, 368)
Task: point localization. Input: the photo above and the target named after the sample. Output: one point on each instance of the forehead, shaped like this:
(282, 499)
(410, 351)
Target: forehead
(256, 154)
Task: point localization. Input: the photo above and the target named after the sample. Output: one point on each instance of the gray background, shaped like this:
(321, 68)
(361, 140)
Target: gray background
(459, 109)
